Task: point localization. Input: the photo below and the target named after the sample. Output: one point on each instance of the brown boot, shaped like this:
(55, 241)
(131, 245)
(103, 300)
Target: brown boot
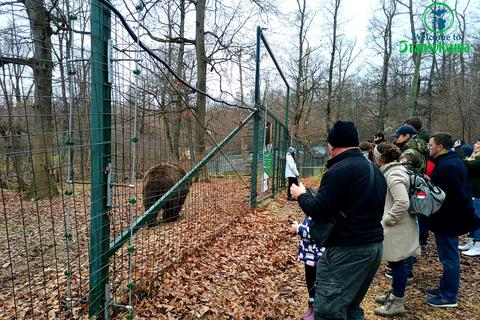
(393, 307)
(382, 299)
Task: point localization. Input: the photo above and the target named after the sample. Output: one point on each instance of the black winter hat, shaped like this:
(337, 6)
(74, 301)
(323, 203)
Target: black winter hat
(343, 134)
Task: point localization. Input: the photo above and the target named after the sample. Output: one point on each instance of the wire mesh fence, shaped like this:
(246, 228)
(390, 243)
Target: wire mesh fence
(109, 173)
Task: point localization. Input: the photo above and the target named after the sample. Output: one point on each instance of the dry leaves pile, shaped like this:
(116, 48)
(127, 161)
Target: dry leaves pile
(250, 272)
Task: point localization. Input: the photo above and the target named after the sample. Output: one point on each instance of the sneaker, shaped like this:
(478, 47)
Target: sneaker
(474, 250)
(441, 302)
(468, 246)
(409, 276)
(432, 292)
(387, 267)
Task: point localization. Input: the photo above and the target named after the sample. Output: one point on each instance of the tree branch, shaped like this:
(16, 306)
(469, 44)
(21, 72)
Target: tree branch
(167, 40)
(19, 61)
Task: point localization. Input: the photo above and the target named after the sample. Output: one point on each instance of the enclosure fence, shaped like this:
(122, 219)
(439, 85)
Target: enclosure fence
(109, 173)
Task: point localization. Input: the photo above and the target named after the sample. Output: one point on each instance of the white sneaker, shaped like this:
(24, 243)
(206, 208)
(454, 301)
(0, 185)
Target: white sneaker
(474, 250)
(467, 246)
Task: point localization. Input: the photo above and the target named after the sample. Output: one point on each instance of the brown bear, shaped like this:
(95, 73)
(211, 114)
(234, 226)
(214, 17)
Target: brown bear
(158, 180)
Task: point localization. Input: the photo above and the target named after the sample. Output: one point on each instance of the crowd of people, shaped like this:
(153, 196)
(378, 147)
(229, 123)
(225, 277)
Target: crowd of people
(339, 274)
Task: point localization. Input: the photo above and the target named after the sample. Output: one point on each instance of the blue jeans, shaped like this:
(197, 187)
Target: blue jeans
(344, 275)
(408, 264)
(399, 277)
(476, 234)
(422, 221)
(447, 248)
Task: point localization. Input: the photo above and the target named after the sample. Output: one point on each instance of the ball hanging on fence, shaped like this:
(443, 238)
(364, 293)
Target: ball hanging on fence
(158, 180)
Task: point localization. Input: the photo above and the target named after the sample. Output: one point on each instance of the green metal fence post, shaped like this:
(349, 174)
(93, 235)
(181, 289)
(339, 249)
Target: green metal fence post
(101, 152)
(256, 122)
(255, 151)
(274, 157)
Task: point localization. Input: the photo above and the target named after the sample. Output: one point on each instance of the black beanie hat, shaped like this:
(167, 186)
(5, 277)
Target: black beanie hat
(343, 134)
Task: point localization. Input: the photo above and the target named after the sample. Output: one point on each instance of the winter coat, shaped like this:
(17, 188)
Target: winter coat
(291, 167)
(308, 252)
(473, 169)
(400, 228)
(414, 154)
(422, 134)
(340, 189)
(467, 149)
(456, 215)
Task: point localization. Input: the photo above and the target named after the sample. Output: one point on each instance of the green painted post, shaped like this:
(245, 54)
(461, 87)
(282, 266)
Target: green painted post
(287, 106)
(101, 137)
(285, 148)
(256, 140)
(274, 158)
(256, 123)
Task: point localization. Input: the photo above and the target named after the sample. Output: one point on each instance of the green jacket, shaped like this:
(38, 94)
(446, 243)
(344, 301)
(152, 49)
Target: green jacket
(414, 154)
(423, 135)
(473, 169)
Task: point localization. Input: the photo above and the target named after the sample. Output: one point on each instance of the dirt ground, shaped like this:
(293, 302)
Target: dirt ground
(250, 272)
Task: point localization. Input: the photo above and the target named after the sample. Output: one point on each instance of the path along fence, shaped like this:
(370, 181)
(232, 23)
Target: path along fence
(76, 240)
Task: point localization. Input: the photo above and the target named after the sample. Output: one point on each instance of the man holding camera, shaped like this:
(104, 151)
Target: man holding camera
(353, 251)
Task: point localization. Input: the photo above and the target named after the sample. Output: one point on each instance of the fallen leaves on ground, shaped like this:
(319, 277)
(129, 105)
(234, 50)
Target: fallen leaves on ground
(250, 272)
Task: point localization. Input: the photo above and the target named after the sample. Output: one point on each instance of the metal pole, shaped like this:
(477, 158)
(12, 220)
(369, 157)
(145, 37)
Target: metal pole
(101, 121)
(264, 147)
(256, 123)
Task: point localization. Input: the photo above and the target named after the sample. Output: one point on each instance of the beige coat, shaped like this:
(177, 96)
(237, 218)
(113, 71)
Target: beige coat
(400, 229)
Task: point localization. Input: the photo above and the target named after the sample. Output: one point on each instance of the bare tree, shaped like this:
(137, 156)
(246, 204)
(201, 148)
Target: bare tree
(381, 28)
(333, 8)
(43, 182)
(304, 70)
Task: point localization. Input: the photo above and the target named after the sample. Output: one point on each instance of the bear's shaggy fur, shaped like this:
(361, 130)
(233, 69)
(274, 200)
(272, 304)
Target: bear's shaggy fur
(158, 180)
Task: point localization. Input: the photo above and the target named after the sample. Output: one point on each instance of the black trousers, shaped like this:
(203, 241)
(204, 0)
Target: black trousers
(290, 182)
(310, 276)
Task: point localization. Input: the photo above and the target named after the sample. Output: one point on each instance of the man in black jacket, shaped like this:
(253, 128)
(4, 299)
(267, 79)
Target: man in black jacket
(354, 248)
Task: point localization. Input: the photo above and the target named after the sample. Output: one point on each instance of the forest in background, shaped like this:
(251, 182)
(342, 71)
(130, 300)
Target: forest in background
(211, 46)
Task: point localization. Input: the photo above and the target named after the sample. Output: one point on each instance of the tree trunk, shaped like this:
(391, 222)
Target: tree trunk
(430, 90)
(387, 53)
(298, 91)
(43, 184)
(179, 71)
(332, 64)
(413, 105)
(201, 85)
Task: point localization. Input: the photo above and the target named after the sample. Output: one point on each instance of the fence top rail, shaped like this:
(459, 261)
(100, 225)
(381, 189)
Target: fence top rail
(264, 40)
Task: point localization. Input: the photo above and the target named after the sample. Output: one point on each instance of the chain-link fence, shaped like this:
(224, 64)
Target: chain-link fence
(110, 172)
